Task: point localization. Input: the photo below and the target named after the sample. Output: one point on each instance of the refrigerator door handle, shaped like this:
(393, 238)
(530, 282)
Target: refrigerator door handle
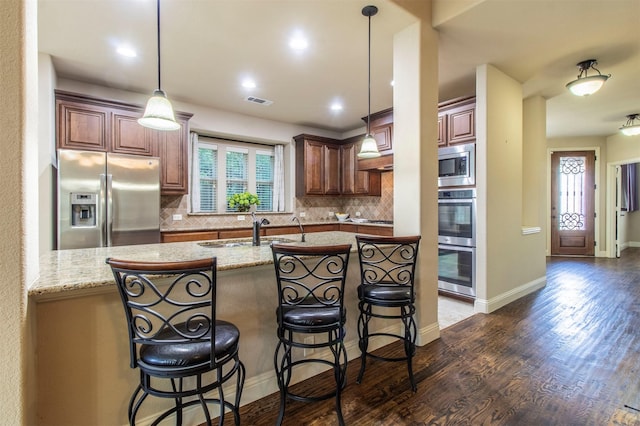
(102, 217)
(109, 208)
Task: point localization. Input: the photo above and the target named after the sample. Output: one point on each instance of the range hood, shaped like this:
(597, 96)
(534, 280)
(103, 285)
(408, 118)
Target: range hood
(381, 164)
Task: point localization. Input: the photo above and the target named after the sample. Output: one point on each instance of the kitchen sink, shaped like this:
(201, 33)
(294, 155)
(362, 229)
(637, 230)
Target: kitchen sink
(245, 242)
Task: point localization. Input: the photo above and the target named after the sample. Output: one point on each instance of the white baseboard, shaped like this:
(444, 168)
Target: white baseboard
(488, 306)
(633, 244)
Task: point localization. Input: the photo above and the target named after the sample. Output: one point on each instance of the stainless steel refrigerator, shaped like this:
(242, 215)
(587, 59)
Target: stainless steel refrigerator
(107, 199)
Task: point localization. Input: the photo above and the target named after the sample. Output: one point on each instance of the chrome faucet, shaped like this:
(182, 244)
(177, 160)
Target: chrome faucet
(257, 223)
(295, 219)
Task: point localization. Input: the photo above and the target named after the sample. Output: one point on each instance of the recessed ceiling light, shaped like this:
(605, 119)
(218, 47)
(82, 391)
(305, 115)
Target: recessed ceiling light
(126, 51)
(248, 83)
(298, 42)
(336, 106)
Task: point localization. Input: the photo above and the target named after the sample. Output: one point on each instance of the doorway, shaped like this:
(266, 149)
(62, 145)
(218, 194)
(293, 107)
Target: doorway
(573, 203)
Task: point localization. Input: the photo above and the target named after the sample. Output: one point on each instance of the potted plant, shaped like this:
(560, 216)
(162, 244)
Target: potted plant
(243, 201)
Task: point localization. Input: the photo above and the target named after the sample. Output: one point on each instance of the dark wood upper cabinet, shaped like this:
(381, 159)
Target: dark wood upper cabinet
(354, 181)
(129, 137)
(317, 166)
(327, 166)
(381, 128)
(82, 126)
(457, 121)
(94, 124)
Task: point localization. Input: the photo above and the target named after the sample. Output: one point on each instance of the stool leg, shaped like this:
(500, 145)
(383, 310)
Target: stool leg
(410, 332)
(363, 335)
(239, 387)
(135, 405)
(339, 370)
(283, 373)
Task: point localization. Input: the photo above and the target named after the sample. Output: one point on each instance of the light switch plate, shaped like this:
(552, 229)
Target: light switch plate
(240, 217)
(177, 217)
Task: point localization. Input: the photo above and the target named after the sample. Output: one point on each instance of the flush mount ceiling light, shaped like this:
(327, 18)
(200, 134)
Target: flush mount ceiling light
(586, 85)
(369, 148)
(158, 114)
(629, 128)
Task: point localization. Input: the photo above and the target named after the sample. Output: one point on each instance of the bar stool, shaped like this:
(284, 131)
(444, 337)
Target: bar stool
(175, 338)
(310, 283)
(386, 290)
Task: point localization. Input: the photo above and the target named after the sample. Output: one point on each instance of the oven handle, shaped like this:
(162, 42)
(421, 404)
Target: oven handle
(456, 200)
(469, 249)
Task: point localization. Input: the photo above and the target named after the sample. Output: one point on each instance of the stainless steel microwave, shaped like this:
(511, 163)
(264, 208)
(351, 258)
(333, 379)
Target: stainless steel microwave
(457, 165)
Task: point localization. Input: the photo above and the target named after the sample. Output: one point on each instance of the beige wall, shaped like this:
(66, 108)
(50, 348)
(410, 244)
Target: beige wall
(509, 264)
(19, 198)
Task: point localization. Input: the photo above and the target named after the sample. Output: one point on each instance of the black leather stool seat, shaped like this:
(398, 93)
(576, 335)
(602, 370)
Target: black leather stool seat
(190, 354)
(312, 315)
(386, 294)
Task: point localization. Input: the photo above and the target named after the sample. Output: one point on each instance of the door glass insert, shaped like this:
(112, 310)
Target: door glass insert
(571, 194)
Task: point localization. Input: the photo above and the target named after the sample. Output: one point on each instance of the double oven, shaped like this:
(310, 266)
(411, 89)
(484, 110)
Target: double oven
(457, 241)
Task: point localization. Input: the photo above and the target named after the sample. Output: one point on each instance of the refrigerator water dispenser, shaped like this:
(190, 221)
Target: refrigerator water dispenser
(83, 209)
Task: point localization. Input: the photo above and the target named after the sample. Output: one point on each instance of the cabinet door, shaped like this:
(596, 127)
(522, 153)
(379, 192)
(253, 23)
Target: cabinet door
(332, 169)
(348, 158)
(173, 152)
(129, 137)
(81, 126)
(313, 168)
(442, 129)
(383, 136)
(461, 125)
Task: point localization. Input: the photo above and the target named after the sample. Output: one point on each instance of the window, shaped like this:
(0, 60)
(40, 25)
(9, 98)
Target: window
(208, 162)
(264, 180)
(228, 167)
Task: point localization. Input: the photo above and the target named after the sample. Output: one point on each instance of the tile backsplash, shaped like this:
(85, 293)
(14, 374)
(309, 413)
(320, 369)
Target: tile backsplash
(316, 209)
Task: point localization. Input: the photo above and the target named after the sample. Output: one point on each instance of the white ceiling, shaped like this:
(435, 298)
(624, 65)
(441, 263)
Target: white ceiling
(209, 45)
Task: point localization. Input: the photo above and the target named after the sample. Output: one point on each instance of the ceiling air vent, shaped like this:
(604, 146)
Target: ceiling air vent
(259, 101)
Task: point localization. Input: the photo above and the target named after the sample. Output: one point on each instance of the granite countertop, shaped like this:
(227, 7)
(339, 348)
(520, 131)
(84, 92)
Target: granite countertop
(66, 271)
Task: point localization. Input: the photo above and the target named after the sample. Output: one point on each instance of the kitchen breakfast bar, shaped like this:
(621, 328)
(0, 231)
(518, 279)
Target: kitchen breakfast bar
(83, 369)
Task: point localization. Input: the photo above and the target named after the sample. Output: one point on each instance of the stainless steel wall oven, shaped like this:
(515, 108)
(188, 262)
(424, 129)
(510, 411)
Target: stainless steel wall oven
(456, 240)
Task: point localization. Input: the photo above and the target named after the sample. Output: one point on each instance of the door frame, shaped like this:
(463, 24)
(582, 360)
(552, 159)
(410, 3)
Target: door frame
(611, 203)
(598, 252)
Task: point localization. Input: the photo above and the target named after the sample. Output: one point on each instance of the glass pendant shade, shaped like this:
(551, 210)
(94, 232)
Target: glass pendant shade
(159, 113)
(631, 129)
(369, 148)
(586, 86)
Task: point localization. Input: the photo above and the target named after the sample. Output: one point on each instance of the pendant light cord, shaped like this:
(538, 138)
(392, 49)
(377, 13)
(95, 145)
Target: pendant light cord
(158, 28)
(369, 77)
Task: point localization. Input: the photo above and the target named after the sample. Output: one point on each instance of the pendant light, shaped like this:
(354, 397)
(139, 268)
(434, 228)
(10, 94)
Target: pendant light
(629, 128)
(587, 85)
(158, 114)
(369, 148)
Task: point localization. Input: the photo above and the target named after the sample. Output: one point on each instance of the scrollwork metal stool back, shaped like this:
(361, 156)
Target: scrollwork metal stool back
(387, 273)
(311, 281)
(176, 342)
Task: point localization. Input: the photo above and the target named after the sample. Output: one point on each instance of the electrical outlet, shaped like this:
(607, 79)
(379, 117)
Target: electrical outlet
(330, 214)
(302, 214)
(357, 214)
(309, 340)
(177, 217)
(240, 217)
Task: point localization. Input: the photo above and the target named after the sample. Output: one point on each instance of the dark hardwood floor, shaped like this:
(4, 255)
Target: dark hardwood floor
(567, 354)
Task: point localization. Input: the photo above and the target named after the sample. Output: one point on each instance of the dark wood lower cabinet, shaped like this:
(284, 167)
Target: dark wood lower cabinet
(223, 234)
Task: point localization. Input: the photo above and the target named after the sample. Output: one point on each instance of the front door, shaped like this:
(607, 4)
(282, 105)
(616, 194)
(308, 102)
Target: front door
(572, 203)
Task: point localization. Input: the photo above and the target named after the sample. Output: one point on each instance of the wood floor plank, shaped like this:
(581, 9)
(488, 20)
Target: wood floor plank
(567, 354)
